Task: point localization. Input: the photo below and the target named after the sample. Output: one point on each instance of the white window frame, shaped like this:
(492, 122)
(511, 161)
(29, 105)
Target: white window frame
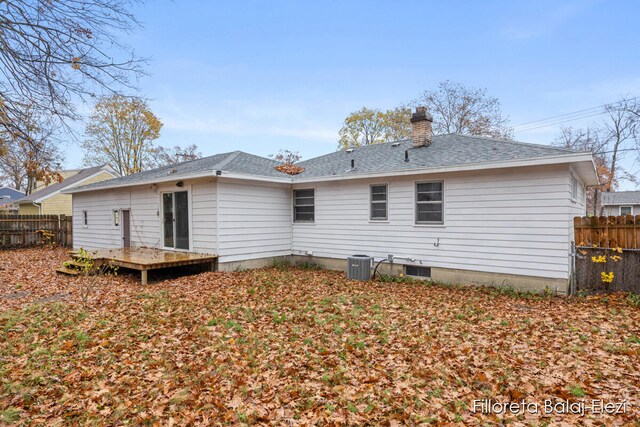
(372, 202)
(574, 188)
(630, 210)
(416, 203)
(170, 189)
(293, 196)
(85, 219)
(115, 216)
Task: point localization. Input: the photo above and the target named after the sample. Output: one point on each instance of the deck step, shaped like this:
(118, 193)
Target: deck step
(73, 264)
(68, 271)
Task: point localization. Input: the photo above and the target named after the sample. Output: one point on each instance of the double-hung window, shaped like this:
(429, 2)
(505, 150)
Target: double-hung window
(430, 202)
(304, 205)
(626, 210)
(379, 193)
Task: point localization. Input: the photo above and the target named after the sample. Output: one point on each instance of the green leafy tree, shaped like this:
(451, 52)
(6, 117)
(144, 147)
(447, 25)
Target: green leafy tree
(372, 126)
(121, 132)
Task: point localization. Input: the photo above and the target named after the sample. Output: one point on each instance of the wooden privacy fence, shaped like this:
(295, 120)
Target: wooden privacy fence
(608, 231)
(605, 270)
(32, 230)
(607, 255)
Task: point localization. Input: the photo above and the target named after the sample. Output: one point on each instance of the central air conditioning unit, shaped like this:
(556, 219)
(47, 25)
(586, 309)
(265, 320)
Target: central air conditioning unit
(359, 267)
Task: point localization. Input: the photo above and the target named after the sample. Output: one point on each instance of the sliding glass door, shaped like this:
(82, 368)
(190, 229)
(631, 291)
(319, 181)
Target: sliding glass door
(175, 219)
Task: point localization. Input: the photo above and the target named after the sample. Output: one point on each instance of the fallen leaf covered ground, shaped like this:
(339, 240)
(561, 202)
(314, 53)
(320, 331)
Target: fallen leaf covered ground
(301, 347)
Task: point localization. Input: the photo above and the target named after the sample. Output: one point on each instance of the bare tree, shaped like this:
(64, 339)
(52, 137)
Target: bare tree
(54, 52)
(460, 109)
(162, 156)
(31, 156)
(287, 157)
(621, 132)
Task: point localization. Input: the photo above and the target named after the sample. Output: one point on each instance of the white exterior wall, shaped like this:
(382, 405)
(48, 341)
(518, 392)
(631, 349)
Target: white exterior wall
(577, 207)
(255, 220)
(512, 221)
(100, 232)
(145, 209)
(204, 209)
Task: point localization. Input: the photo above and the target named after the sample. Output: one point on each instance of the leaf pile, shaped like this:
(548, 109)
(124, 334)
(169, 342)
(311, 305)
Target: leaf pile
(289, 169)
(300, 347)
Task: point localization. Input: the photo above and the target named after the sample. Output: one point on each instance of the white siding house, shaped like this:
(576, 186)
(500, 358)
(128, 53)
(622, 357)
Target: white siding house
(617, 203)
(255, 220)
(511, 221)
(462, 209)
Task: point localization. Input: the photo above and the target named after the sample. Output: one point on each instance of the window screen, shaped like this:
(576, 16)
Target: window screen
(304, 205)
(379, 202)
(429, 203)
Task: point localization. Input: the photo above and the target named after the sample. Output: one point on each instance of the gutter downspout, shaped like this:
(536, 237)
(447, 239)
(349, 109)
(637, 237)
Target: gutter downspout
(39, 206)
(218, 173)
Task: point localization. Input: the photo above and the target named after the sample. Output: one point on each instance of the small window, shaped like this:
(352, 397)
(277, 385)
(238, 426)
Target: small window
(379, 202)
(304, 205)
(429, 203)
(85, 218)
(574, 188)
(417, 271)
(116, 218)
(626, 210)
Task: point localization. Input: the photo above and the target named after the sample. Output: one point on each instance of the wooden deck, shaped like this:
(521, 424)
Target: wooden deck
(145, 259)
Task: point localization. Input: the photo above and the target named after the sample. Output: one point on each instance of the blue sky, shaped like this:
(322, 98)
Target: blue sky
(261, 76)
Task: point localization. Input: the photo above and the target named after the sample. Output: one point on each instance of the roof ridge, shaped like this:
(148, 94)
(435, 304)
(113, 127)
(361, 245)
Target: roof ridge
(513, 141)
(232, 155)
(362, 147)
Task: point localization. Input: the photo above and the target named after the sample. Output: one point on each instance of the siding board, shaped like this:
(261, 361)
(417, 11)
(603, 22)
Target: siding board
(512, 222)
(255, 220)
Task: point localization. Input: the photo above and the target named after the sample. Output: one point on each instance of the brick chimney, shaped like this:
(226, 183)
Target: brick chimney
(422, 131)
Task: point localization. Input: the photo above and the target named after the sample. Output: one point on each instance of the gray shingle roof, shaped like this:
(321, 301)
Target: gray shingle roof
(82, 174)
(235, 161)
(621, 198)
(445, 150)
(9, 194)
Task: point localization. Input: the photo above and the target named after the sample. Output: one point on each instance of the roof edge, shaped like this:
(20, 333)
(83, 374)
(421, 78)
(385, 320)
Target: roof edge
(534, 161)
(574, 157)
(84, 189)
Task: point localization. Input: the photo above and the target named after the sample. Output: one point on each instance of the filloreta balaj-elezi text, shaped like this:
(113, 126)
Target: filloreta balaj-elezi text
(558, 407)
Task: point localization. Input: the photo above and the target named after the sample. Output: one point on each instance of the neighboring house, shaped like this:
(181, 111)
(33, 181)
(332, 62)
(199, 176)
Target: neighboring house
(63, 173)
(621, 203)
(51, 199)
(458, 208)
(9, 195)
